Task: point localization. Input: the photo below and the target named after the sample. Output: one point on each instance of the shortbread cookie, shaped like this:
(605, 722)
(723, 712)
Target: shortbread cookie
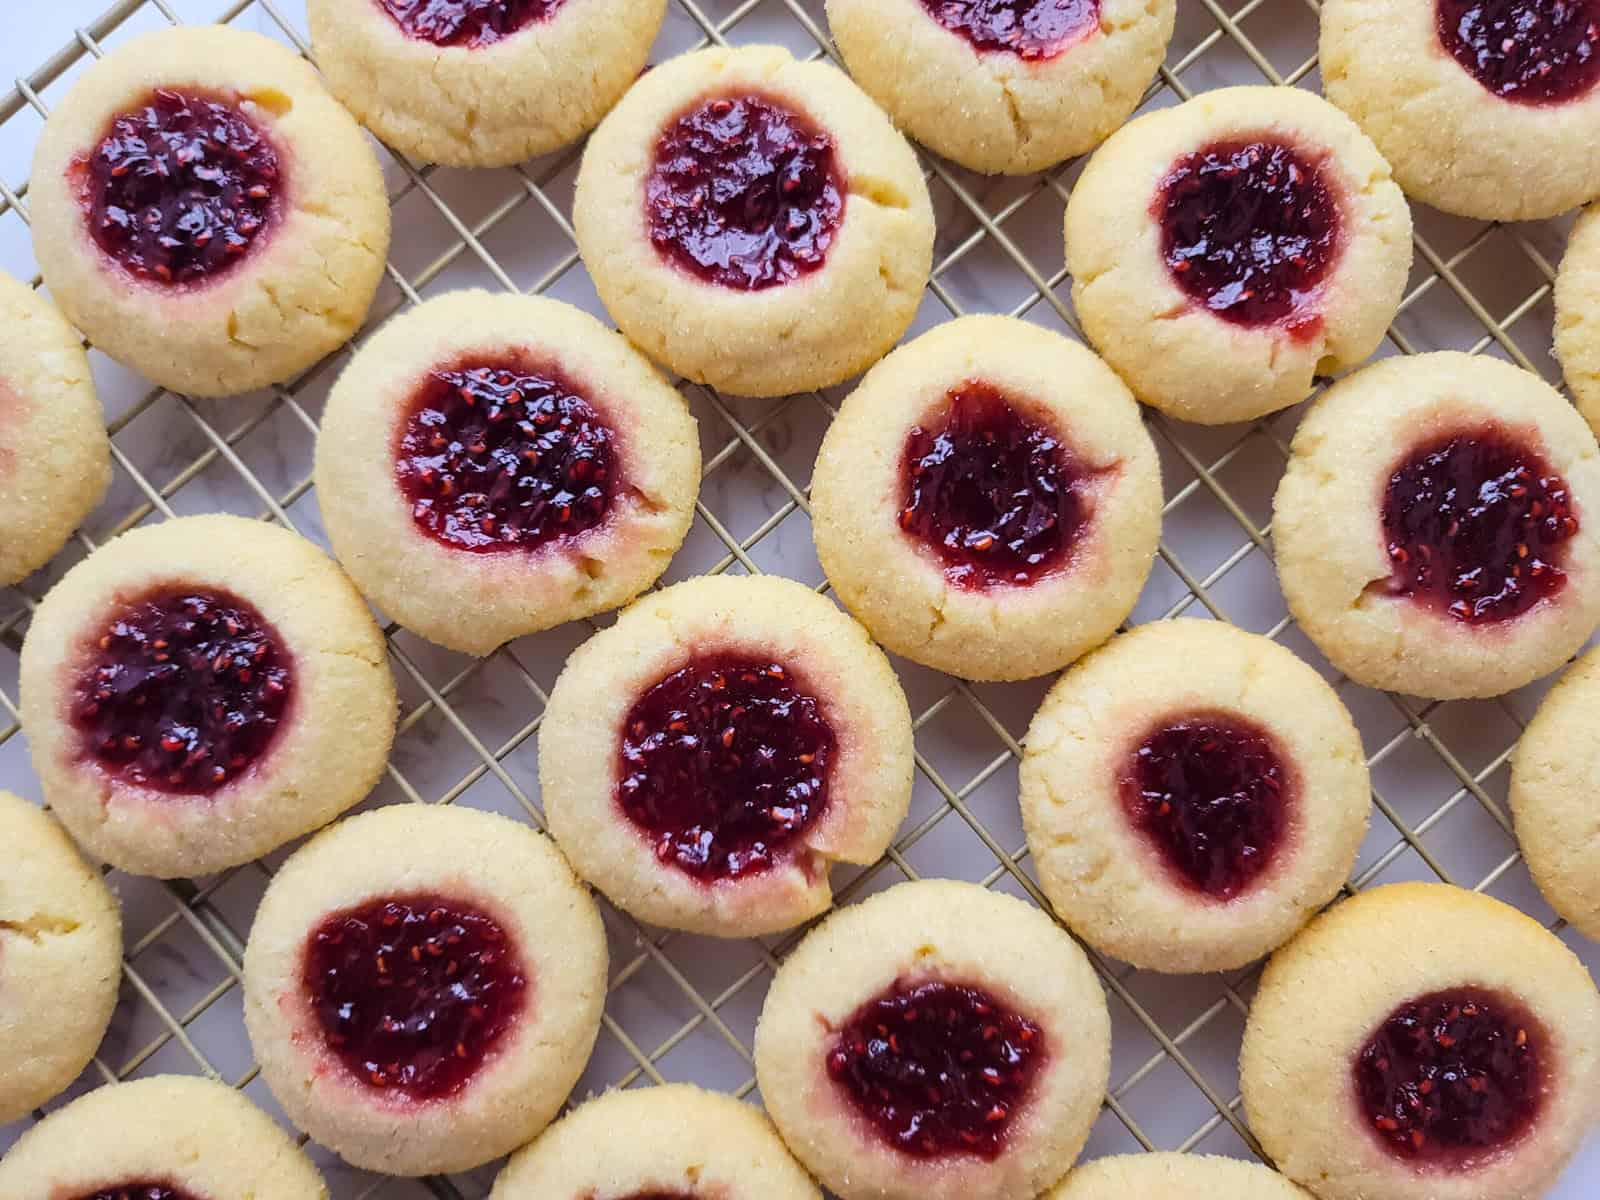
(1438, 527)
(206, 213)
(505, 79)
(936, 1042)
(1486, 110)
(1577, 295)
(988, 501)
(1422, 1042)
(423, 986)
(1192, 794)
(1155, 1176)
(60, 958)
(493, 465)
(1004, 88)
(1226, 251)
(197, 693)
(706, 760)
(754, 222)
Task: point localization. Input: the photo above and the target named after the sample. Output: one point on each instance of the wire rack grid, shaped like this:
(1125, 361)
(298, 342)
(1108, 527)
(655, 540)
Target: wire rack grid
(681, 1007)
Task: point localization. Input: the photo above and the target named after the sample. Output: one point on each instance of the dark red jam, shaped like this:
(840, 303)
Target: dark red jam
(143, 1189)
(724, 764)
(499, 457)
(1250, 230)
(1452, 1076)
(1031, 29)
(938, 1068)
(1525, 51)
(179, 190)
(469, 23)
(997, 497)
(413, 992)
(745, 193)
(1476, 524)
(183, 690)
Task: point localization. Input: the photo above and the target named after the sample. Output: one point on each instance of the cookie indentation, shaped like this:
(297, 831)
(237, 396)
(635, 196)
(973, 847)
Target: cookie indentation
(1031, 29)
(469, 23)
(143, 1189)
(1525, 51)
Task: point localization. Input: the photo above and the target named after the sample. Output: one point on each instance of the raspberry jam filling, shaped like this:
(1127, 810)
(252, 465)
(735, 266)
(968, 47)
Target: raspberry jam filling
(1031, 29)
(1451, 1076)
(183, 690)
(497, 456)
(181, 189)
(1250, 230)
(1211, 792)
(998, 498)
(1525, 51)
(469, 23)
(1476, 525)
(938, 1068)
(724, 763)
(745, 193)
(413, 992)
(142, 1189)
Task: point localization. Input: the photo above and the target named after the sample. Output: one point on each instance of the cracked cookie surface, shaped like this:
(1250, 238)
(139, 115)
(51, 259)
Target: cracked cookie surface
(1577, 296)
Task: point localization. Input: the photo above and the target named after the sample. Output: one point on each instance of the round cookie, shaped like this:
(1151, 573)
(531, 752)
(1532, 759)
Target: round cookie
(937, 1041)
(60, 958)
(987, 501)
(1422, 1042)
(423, 986)
(1577, 297)
(493, 465)
(55, 459)
(1438, 526)
(680, 1141)
(1156, 1176)
(808, 262)
(198, 692)
(1004, 88)
(506, 79)
(1484, 110)
(206, 213)
(1226, 251)
(706, 760)
(1192, 794)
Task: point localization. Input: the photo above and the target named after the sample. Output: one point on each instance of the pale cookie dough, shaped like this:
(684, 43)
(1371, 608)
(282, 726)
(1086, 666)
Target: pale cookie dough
(1070, 511)
(1352, 587)
(243, 280)
(60, 958)
(1577, 295)
(1154, 1176)
(1192, 794)
(1010, 989)
(498, 959)
(1004, 89)
(556, 490)
(1512, 1025)
(198, 692)
(707, 759)
(1253, 325)
(785, 294)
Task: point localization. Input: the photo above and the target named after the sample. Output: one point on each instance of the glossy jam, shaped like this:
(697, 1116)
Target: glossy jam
(183, 690)
(141, 1189)
(413, 992)
(469, 23)
(1250, 230)
(744, 193)
(1525, 51)
(997, 497)
(724, 763)
(499, 457)
(1452, 1076)
(1476, 524)
(938, 1068)
(1031, 29)
(181, 189)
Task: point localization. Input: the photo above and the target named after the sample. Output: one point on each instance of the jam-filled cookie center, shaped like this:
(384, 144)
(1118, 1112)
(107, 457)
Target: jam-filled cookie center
(140, 1189)
(413, 992)
(468, 23)
(1525, 51)
(1031, 29)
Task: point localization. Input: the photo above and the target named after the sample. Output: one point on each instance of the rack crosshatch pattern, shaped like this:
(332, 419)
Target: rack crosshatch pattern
(684, 1008)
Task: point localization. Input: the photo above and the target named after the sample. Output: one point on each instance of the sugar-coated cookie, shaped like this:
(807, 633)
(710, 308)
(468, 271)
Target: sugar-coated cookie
(938, 1041)
(988, 501)
(1192, 794)
(206, 212)
(1438, 526)
(1422, 1042)
(1156, 1176)
(1004, 88)
(1577, 297)
(198, 692)
(493, 465)
(1226, 251)
(754, 222)
(706, 760)
(423, 986)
